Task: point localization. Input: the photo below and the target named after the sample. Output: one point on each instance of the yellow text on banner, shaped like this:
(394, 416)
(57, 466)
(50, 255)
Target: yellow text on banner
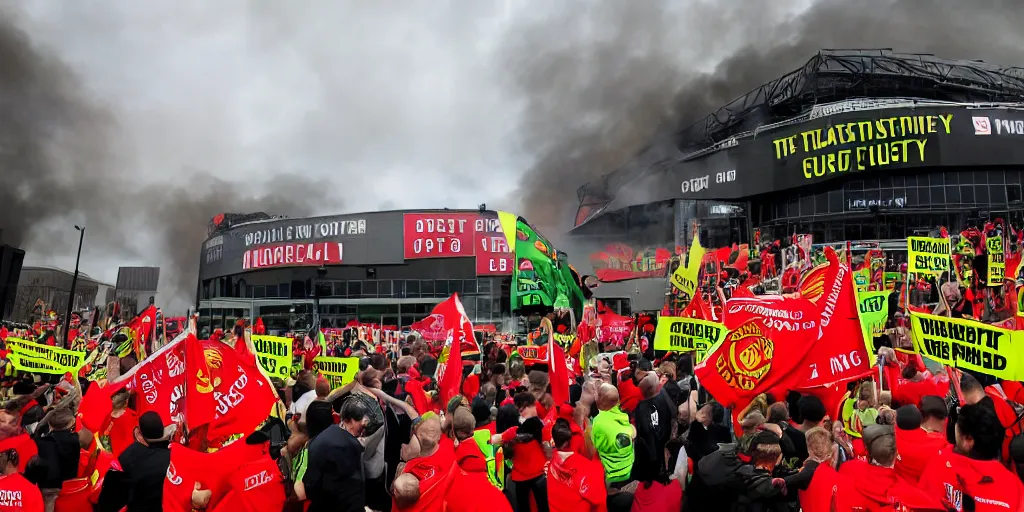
(35, 357)
(873, 310)
(928, 255)
(685, 277)
(681, 334)
(337, 370)
(996, 263)
(970, 345)
(274, 354)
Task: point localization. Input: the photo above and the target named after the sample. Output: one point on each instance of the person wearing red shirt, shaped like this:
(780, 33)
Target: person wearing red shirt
(915, 445)
(876, 484)
(909, 384)
(529, 457)
(256, 486)
(974, 393)
(433, 468)
(575, 483)
(471, 491)
(17, 494)
(826, 486)
(971, 472)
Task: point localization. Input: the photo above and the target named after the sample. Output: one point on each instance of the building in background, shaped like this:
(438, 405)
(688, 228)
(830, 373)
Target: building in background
(11, 259)
(372, 267)
(854, 145)
(135, 289)
(52, 285)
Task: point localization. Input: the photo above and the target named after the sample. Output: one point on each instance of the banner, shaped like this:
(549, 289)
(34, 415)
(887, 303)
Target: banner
(685, 277)
(337, 370)
(274, 354)
(28, 356)
(873, 308)
(681, 334)
(996, 262)
(969, 345)
(927, 255)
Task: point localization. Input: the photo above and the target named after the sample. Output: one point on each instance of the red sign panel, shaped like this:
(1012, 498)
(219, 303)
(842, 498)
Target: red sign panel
(458, 235)
(439, 235)
(294, 254)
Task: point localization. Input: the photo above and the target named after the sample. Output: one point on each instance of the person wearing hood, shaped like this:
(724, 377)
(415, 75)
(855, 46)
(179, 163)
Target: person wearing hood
(575, 483)
(738, 477)
(971, 476)
(471, 489)
(876, 484)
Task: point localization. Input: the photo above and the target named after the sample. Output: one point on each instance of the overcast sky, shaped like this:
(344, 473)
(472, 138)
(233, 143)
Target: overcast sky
(338, 106)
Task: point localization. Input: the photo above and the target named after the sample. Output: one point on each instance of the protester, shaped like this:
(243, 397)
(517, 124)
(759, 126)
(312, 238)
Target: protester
(138, 484)
(333, 480)
(575, 483)
(471, 489)
(613, 437)
(59, 451)
(430, 469)
(17, 494)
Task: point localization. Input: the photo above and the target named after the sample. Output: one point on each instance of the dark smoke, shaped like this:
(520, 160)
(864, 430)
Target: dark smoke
(600, 81)
(63, 161)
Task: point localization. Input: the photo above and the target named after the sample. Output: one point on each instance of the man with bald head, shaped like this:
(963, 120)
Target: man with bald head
(432, 465)
(613, 436)
(654, 419)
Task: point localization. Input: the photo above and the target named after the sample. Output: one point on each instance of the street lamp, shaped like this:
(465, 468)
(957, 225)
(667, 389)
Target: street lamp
(74, 282)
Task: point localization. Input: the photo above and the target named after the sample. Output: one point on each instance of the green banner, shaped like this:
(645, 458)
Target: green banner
(29, 356)
(873, 310)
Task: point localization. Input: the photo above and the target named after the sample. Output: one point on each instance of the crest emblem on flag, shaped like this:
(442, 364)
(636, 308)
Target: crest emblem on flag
(749, 357)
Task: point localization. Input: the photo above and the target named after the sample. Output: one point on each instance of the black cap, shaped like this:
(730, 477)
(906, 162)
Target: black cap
(152, 427)
(645, 365)
(481, 411)
(908, 417)
(23, 387)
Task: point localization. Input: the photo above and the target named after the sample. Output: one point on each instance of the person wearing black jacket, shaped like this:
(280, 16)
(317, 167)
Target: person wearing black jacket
(653, 418)
(139, 484)
(59, 450)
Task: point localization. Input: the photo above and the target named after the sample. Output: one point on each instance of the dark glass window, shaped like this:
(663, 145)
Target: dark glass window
(835, 201)
(441, 288)
(1013, 194)
(384, 288)
(951, 177)
(259, 292)
(981, 193)
(935, 178)
(469, 286)
(967, 194)
(806, 206)
(938, 195)
(412, 288)
(952, 194)
(455, 286)
(911, 180)
(995, 177)
(341, 289)
(899, 181)
(483, 285)
(369, 288)
(355, 289)
(427, 287)
(925, 198)
(324, 289)
(980, 177)
(820, 203)
(997, 193)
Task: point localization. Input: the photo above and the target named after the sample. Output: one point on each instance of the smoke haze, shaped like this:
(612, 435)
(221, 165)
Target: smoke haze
(144, 119)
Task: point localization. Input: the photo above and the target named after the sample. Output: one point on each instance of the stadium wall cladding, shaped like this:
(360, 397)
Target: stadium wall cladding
(841, 145)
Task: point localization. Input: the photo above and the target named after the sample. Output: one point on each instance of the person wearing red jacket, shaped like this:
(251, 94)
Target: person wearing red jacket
(876, 486)
(915, 445)
(910, 381)
(471, 491)
(972, 473)
(826, 487)
(575, 483)
(991, 397)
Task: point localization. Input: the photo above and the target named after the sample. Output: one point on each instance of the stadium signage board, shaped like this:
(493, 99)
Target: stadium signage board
(843, 145)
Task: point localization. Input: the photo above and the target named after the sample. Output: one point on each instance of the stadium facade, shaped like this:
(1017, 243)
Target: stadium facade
(854, 145)
(374, 267)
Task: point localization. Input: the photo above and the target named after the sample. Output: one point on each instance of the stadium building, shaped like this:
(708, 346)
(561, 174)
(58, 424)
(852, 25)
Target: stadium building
(854, 145)
(376, 267)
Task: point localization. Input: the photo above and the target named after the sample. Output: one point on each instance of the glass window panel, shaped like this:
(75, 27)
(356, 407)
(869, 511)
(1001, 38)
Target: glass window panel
(1013, 194)
(469, 286)
(938, 195)
(441, 288)
(427, 287)
(980, 178)
(384, 288)
(355, 289)
(935, 178)
(886, 195)
(911, 180)
(341, 289)
(483, 285)
(885, 181)
(324, 289)
(821, 203)
(412, 288)
(951, 177)
(995, 177)
(870, 182)
(806, 206)
(981, 194)
(997, 193)
(856, 185)
(259, 292)
(455, 286)
(925, 197)
(967, 194)
(899, 181)
(952, 194)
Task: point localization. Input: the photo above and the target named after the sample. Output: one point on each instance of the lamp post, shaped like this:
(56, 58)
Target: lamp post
(74, 283)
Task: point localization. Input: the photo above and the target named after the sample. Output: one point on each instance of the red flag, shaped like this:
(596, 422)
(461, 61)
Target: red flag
(612, 327)
(769, 338)
(159, 382)
(840, 353)
(242, 397)
(199, 403)
(142, 329)
(449, 365)
(558, 370)
(430, 328)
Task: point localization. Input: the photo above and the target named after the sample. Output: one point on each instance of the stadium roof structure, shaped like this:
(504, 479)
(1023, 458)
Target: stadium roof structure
(829, 76)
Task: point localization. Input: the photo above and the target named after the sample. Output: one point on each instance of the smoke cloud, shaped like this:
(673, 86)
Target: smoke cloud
(601, 82)
(144, 119)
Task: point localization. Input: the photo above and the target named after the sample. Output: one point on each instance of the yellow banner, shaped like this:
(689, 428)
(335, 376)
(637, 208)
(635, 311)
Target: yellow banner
(685, 277)
(337, 370)
(29, 356)
(274, 354)
(873, 310)
(970, 345)
(928, 255)
(681, 334)
(564, 340)
(996, 263)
